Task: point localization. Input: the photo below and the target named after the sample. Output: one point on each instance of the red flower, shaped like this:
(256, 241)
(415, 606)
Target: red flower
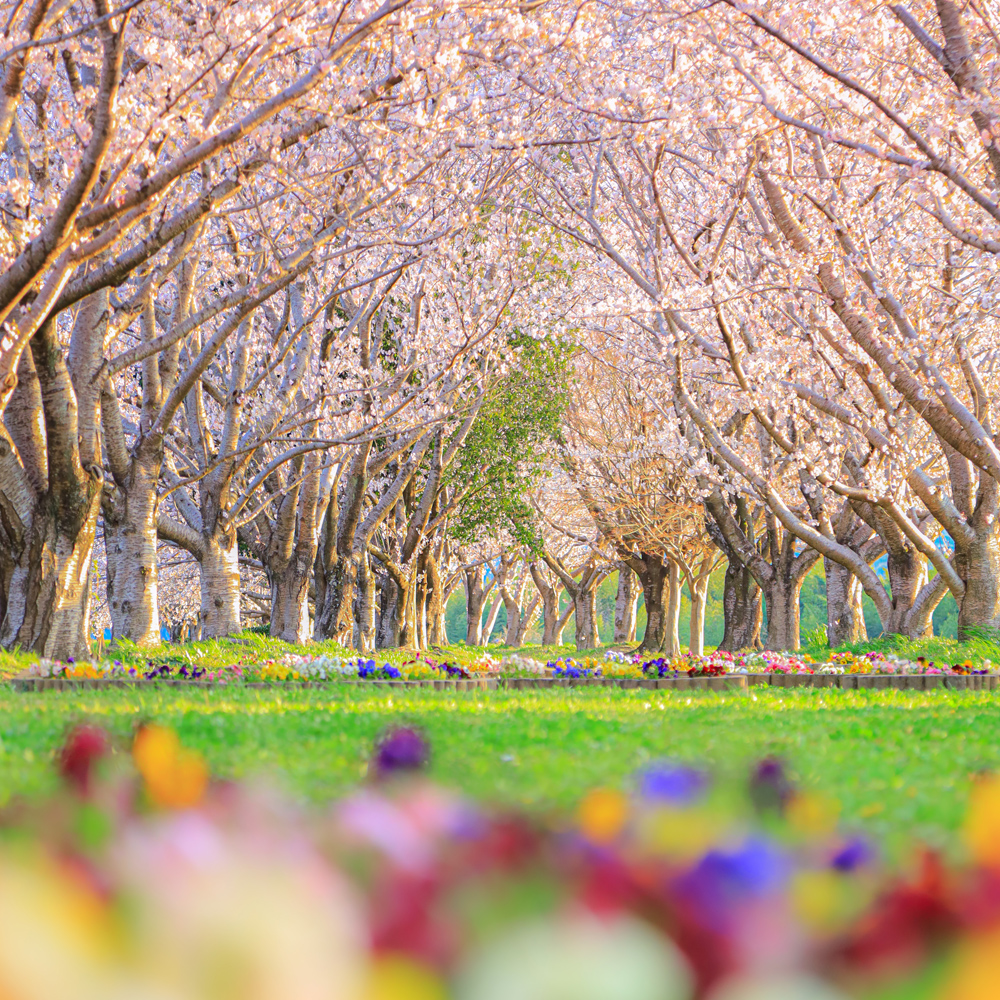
(84, 747)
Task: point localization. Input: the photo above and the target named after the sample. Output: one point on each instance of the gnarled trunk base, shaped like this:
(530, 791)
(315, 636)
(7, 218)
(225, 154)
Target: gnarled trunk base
(48, 596)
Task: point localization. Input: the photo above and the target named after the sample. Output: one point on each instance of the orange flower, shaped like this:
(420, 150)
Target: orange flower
(175, 778)
(603, 814)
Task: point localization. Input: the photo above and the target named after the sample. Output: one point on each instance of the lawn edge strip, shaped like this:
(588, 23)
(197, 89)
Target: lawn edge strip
(730, 682)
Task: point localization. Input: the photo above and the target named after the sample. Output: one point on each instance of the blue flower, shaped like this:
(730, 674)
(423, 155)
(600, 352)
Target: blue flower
(676, 784)
(722, 881)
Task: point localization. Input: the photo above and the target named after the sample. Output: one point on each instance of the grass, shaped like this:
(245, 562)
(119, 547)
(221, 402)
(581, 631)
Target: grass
(899, 763)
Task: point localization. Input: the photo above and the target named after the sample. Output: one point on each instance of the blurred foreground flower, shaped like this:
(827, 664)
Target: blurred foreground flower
(84, 748)
(404, 891)
(175, 778)
(400, 751)
(577, 958)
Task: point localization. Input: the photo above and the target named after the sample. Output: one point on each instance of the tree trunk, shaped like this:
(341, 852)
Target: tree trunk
(782, 600)
(742, 609)
(491, 620)
(48, 604)
(513, 601)
(406, 609)
(436, 632)
(130, 546)
(845, 619)
(978, 565)
(220, 587)
(420, 597)
(48, 516)
(653, 575)
(585, 612)
(699, 598)
(335, 617)
(475, 599)
(388, 619)
(908, 575)
(289, 606)
(625, 604)
(527, 617)
(366, 606)
(672, 616)
(560, 625)
(550, 605)
(513, 622)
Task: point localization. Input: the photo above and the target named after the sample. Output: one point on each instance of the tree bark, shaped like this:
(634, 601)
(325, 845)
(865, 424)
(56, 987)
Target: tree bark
(50, 540)
(781, 597)
(626, 600)
(475, 601)
(513, 601)
(289, 606)
(978, 564)
(582, 592)
(742, 609)
(220, 586)
(527, 617)
(672, 615)
(130, 538)
(550, 605)
(585, 611)
(699, 599)
(652, 576)
(491, 619)
(406, 609)
(366, 606)
(388, 619)
(436, 632)
(560, 625)
(48, 607)
(845, 619)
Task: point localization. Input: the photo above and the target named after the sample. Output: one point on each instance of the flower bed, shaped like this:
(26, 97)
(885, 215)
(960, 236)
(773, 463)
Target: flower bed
(144, 878)
(616, 668)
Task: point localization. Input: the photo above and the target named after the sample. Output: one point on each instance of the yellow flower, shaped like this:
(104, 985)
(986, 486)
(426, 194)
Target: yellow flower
(683, 834)
(813, 814)
(817, 897)
(57, 937)
(982, 823)
(175, 778)
(396, 977)
(603, 814)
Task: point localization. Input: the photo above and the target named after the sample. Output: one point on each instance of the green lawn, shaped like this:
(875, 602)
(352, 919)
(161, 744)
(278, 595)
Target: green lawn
(898, 762)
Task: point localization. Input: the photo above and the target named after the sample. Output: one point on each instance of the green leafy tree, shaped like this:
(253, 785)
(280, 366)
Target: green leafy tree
(505, 453)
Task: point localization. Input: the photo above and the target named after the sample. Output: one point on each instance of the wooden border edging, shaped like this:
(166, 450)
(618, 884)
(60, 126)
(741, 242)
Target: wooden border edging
(728, 682)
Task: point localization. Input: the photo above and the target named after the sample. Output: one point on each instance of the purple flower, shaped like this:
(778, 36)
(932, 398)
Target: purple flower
(853, 855)
(399, 750)
(770, 787)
